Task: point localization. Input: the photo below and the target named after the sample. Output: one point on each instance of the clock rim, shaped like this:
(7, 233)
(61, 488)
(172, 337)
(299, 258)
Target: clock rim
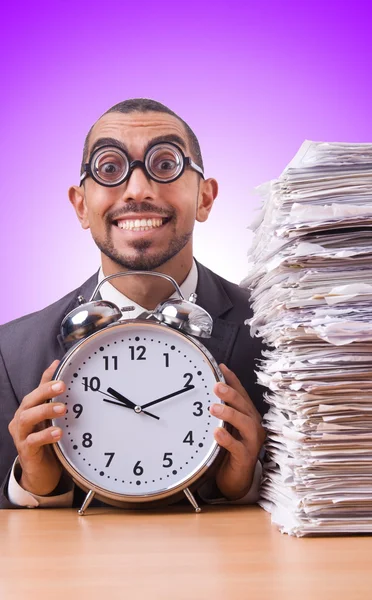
(116, 498)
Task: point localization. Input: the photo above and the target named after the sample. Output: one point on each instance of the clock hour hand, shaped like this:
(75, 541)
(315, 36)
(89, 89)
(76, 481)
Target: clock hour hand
(129, 403)
(121, 398)
(106, 394)
(177, 393)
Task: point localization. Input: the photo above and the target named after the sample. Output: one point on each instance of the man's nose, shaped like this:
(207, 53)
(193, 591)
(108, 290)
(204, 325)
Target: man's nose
(138, 186)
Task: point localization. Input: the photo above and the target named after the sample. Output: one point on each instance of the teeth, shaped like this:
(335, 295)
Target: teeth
(140, 224)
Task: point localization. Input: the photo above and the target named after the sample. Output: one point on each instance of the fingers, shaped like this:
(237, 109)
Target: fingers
(234, 446)
(233, 381)
(34, 441)
(236, 472)
(34, 411)
(47, 388)
(243, 443)
(30, 418)
(45, 391)
(32, 438)
(235, 395)
(48, 373)
(243, 446)
(237, 469)
(244, 424)
(239, 411)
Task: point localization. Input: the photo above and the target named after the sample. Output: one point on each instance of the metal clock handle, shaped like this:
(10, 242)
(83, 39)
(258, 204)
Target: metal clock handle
(125, 273)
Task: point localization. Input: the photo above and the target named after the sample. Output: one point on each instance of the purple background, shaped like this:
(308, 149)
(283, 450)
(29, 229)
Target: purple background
(253, 79)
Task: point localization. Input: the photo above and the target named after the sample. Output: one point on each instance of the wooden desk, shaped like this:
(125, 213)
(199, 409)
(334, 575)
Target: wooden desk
(221, 554)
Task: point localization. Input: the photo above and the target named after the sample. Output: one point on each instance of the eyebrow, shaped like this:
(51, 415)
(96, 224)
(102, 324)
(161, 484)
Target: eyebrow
(108, 141)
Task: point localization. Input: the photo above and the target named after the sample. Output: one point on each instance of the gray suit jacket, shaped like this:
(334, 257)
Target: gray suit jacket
(30, 344)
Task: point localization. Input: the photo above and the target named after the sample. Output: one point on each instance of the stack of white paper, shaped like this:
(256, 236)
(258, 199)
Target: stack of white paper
(311, 287)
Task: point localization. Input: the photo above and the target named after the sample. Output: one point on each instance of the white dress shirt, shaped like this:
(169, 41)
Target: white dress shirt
(20, 497)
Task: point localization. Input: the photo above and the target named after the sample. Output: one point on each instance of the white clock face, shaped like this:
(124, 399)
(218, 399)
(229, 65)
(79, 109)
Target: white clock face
(112, 436)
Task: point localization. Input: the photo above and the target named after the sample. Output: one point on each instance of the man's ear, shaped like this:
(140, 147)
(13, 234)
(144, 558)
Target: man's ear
(207, 194)
(76, 196)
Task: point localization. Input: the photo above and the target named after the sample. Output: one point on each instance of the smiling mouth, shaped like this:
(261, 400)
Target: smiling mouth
(141, 224)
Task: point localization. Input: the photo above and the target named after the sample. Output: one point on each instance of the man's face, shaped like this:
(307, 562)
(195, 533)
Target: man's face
(141, 224)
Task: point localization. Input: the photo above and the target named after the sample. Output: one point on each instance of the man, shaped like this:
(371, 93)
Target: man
(142, 188)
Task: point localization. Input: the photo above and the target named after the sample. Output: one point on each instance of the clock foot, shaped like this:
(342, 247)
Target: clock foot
(87, 501)
(191, 499)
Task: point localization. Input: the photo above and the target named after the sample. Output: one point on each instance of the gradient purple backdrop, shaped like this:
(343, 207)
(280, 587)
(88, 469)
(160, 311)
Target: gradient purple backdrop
(253, 79)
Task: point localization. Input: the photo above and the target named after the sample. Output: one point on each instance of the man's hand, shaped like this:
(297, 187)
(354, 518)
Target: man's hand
(235, 475)
(41, 471)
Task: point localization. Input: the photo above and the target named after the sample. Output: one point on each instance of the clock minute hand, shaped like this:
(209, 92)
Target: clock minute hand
(125, 406)
(129, 403)
(177, 393)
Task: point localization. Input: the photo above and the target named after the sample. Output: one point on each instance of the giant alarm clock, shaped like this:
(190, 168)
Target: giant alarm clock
(137, 428)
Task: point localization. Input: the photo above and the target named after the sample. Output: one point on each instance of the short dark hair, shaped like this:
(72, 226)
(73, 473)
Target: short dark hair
(143, 105)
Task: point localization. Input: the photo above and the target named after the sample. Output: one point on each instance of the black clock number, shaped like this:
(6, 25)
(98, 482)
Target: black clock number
(87, 440)
(166, 355)
(94, 384)
(140, 350)
(199, 409)
(77, 409)
(111, 455)
(189, 378)
(189, 439)
(138, 470)
(114, 360)
(167, 461)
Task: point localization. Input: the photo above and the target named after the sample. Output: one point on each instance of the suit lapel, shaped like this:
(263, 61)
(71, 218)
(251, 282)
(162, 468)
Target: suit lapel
(221, 343)
(86, 290)
(212, 296)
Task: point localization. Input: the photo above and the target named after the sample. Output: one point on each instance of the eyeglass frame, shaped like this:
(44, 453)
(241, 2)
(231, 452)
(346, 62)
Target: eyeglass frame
(187, 161)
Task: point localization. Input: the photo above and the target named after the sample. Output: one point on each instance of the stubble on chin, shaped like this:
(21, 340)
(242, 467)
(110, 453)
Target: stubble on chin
(141, 258)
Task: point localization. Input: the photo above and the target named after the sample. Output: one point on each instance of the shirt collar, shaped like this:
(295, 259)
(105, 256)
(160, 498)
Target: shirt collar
(110, 293)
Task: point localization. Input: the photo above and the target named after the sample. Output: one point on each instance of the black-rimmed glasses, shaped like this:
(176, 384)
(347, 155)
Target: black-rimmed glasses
(163, 162)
